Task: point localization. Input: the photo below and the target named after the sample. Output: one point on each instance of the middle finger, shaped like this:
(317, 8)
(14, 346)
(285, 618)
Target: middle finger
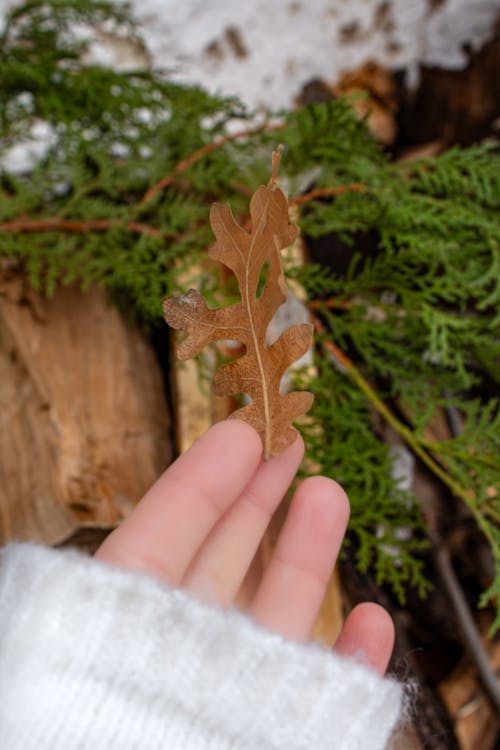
(219, 567)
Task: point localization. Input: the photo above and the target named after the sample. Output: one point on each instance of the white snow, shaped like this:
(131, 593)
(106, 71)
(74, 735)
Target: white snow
(22, 157)
(264, 51)
(281, 44)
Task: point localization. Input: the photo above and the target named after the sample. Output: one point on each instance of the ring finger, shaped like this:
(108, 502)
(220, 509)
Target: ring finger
(294, 584)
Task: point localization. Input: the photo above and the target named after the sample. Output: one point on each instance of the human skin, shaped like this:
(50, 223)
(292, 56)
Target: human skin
(200, 524)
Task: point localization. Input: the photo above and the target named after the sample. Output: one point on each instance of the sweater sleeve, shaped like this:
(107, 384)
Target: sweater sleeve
(93, 657)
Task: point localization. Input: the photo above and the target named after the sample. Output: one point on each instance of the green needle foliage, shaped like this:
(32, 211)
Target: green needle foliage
(419, 320)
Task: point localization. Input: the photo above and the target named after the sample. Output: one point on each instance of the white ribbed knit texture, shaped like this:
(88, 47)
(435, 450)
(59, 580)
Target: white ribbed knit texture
(96, 658)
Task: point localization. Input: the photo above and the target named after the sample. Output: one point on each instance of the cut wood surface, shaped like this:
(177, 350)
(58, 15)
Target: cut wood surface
(84, 419)
(476, 724)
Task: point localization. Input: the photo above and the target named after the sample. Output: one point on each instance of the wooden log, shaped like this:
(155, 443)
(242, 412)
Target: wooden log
(475, 721)
(84, 418)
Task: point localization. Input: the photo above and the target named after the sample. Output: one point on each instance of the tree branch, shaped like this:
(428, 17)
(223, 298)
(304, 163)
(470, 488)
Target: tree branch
(441, 554)
(407, 435)
(205, 150)
(325, 192)
(80, 226)
(465, 619)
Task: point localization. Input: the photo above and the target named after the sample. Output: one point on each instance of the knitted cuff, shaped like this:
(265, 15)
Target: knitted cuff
(95, 658)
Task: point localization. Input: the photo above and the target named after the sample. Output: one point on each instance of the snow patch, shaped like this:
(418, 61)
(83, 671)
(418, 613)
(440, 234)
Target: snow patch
(23, 156)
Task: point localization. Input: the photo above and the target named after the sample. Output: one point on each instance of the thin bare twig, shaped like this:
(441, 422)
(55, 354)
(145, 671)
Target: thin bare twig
(465, 619)
(200, 153)
(83, 226)
(329, 304)
(326, 192)
(79, 226)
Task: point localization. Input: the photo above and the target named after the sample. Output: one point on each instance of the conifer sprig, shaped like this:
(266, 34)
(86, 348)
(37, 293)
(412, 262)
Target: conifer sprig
(121, 198)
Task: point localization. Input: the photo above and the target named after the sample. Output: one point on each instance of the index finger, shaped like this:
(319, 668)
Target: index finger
(173, 519)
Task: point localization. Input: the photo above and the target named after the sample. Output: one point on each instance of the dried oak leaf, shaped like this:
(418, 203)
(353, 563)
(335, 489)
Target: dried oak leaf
(259, 370)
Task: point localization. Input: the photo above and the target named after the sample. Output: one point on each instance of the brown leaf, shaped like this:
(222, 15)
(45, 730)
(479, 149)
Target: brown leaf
(259, 371)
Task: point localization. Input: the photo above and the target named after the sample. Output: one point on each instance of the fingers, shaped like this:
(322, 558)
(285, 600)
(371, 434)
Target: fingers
(200, 524)
(219, 567)
(294, 584)
(368, 636)
(168, 526)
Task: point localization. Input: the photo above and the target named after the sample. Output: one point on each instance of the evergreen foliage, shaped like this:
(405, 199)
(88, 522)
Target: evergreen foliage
(419, 320)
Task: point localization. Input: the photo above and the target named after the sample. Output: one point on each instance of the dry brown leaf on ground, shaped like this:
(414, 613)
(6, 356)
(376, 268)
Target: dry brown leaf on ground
(258, 372)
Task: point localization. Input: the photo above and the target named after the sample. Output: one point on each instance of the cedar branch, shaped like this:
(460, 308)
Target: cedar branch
(200, 153)
(405, 432)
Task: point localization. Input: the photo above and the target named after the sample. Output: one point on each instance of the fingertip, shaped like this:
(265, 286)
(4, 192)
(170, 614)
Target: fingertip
(236, 432)
(381, 623)
(368, 636)
(299, 445)
(293, 453)
(342, 500)
(328, 492)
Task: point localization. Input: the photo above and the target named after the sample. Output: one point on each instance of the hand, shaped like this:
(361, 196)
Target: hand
(200, 524)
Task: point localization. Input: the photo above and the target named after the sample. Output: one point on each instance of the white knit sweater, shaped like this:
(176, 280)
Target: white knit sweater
(96, 658)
